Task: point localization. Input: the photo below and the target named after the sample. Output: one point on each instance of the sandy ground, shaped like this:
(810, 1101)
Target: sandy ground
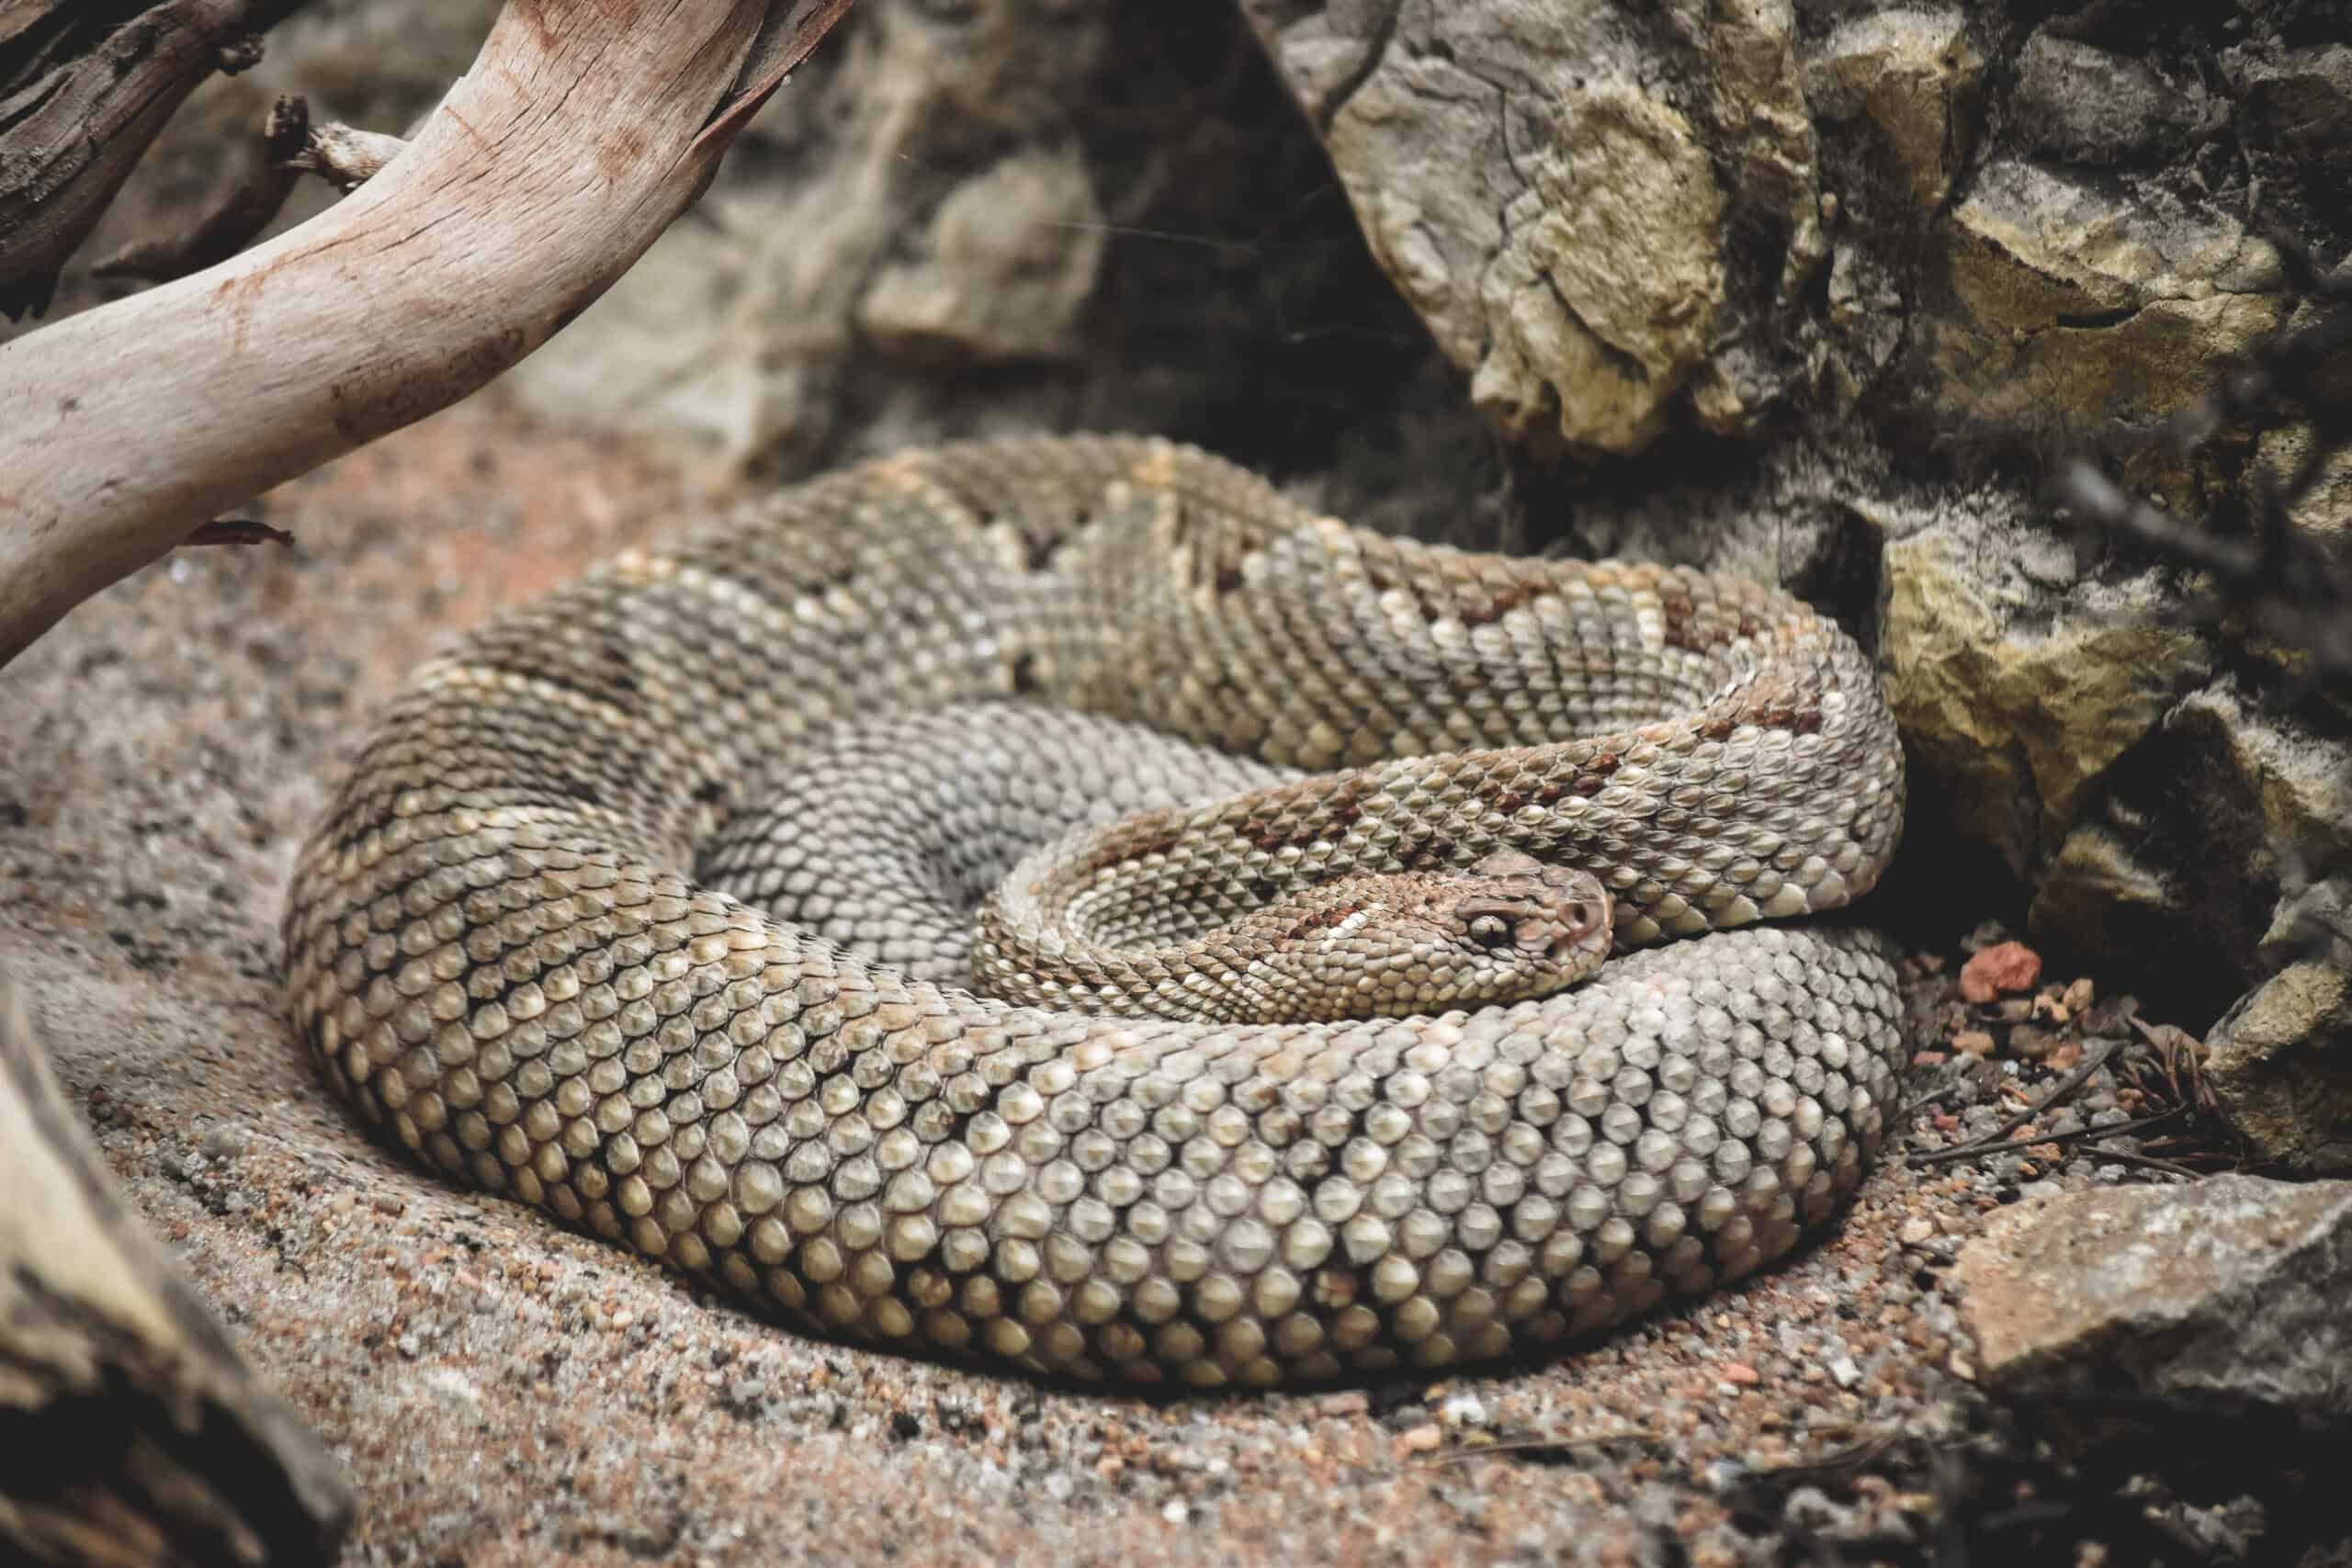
(507, 1393)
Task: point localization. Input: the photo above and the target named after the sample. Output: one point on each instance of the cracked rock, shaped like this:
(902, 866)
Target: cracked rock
(1913, 77)
(2090, 302)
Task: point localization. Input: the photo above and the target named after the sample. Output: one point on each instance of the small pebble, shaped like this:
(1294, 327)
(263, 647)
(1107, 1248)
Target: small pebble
(1741, 1373)
(1176, 1513)
(1918, 1231)
(1419, 1441)
(2030, 1043)
(1464, 1410)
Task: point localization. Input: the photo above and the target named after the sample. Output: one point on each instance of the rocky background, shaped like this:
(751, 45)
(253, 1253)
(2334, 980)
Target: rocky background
(1806, 290)
(1813, 290)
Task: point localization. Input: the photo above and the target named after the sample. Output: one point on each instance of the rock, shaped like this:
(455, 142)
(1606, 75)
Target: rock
(1576, 282)
(1866, 313)
(2081, 301)
(2105, 905)
(741, 332)
(2084, 103)
(2218, 1297)
(2297, 100)
(2022, 708)
(2006, 968)
(2078, 248)
(1597, 306)
(2282, 1067)
(2231, 814)
(1573, 196)
(2325, 512)
(1010, 260)
(1913, 77)
(1763, 131)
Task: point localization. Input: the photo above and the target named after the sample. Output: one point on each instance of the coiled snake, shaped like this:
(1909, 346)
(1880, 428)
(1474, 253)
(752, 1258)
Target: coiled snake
(498, 946)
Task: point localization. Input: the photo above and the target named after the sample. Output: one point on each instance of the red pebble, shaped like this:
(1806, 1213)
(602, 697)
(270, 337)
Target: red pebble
(2002, 969)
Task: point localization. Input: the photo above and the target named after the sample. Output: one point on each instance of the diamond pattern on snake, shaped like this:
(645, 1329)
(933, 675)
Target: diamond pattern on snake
(648, 904)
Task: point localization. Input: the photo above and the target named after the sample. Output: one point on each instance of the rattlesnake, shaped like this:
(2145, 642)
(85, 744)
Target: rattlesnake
(498, 947)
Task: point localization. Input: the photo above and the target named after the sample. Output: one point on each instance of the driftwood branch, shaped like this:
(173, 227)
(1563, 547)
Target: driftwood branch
(83, 89)
(135, 1432)
(580, 131)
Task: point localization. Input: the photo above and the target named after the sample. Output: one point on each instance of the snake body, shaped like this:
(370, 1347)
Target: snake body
(498, 947)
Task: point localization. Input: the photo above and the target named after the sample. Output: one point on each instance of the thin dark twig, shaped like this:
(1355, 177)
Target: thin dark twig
(1542, 1448)
(2065, 1089)
(2038, 1140)
(1929, 1102)
(2149, 1162)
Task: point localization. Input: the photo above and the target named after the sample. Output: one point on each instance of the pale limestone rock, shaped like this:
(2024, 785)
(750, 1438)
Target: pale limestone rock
(1598, 305)
(2079, 305)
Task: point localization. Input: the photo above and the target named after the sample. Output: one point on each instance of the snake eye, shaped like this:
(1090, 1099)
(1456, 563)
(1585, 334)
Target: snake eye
(1490, 930)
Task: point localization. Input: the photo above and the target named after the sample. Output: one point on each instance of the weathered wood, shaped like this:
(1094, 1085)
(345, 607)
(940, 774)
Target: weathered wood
(83, 89)
(133, 1431)
(579, 134)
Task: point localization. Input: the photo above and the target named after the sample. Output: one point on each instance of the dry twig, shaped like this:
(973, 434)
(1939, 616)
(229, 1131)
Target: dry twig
(83, 89)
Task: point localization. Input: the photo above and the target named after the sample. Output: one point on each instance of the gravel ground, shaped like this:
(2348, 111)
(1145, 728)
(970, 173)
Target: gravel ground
(508, 1393)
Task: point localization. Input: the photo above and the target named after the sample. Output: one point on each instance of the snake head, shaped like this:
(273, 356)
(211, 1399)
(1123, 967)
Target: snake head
(1505, 930)
(1544, 913)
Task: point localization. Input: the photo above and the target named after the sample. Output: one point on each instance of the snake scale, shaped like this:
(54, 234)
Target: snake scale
(504, 947)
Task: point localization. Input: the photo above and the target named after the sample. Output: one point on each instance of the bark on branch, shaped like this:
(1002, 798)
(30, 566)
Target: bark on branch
(580, 131)
(83, 89)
